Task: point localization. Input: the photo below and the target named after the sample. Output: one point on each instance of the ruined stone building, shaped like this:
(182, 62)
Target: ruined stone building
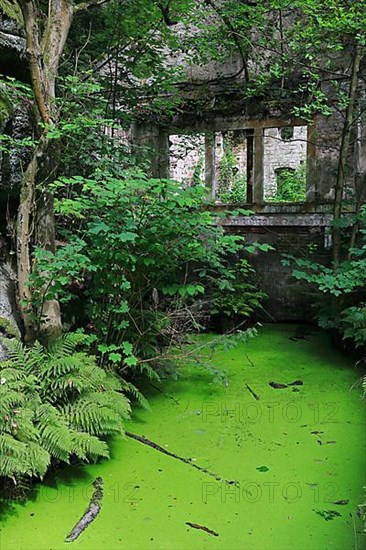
(262, 141)
(240, 147)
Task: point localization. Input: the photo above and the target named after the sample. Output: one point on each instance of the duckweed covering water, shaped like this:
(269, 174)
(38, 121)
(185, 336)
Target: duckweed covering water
(277, 467)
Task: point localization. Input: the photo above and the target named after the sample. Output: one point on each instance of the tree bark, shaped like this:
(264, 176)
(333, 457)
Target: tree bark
(44, 50)
(50, 313)
(35, 223)
(24, 233)
(46, 36)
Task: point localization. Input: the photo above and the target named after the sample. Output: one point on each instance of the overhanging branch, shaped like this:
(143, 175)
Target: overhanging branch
(83, 6)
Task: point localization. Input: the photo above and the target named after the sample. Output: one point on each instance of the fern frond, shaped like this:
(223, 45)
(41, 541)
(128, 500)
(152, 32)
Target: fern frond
(9, 399)
(135, 392)
(66, 344)
(55, 403)
(17, 458)
(115, 401)
(36, 357)
(88, 447)
(10, 446)
(11, 466)
(23, 426)
(148, 371)
(54, 432)
(17, 354)
(39, 460)
(79, 382)
(9, 374)
(95, 417)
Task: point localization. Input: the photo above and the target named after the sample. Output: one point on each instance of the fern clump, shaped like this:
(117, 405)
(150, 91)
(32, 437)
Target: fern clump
(55, 404)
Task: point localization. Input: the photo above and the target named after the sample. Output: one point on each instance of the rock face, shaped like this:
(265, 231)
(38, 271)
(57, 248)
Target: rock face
(9, 320)
(14, 162)
(15, 120)
(11, 37)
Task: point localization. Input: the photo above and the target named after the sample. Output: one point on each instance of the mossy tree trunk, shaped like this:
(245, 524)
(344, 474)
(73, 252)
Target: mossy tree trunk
(46, 35)
(36, 225)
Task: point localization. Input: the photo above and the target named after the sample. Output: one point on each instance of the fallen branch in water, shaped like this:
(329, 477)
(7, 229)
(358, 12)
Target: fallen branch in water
(188, 461)
(256, 397)
(90, 513)
(279, 386)
(249, 360)
(203, 528)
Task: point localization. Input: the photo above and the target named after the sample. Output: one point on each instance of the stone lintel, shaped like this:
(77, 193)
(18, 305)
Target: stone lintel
(220, 124)
(298, 220)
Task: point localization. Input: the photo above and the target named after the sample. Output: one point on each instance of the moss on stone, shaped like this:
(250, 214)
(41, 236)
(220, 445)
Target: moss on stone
(12, 10)
(8, 329)
(5, 105)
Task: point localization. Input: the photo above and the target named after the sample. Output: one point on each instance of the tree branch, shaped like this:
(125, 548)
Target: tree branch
(234, 35)
(345, 142)
(34, 53)
(60, 14)
(88, 4)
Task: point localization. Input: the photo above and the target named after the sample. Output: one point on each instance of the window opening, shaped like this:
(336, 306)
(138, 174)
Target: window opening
(287, 133)
(284, 164)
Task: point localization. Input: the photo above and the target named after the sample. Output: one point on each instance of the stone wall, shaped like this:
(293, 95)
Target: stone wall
(12, 49)
(187, 157)
(9, 316)
(300, 233)
(15, 119)
(288, 299)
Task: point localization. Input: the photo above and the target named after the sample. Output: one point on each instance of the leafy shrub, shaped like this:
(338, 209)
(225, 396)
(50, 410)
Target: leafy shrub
(353, 323)
(339, 291)
(237, 193)
(138, 248)
(237, 294)
(55, 404)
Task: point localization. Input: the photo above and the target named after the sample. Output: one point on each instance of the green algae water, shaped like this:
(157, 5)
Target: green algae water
(266, 466)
